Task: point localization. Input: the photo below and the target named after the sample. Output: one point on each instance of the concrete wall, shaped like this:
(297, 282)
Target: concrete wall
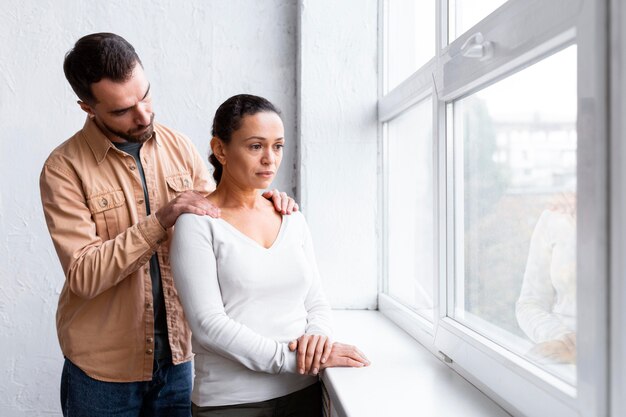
(337, 94)
(196, 54)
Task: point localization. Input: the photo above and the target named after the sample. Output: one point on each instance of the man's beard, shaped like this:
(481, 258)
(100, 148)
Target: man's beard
(129, 136)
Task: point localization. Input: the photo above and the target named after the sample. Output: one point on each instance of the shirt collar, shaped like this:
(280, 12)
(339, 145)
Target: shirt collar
(98, 142)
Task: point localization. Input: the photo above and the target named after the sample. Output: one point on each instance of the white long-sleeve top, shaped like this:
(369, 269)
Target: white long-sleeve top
(546, 309)
(244, 303)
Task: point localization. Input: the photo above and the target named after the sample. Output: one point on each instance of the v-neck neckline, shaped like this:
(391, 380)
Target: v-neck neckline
(277, 239)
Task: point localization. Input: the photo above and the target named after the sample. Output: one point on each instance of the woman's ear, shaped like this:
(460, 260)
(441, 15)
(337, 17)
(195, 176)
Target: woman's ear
(217, 146)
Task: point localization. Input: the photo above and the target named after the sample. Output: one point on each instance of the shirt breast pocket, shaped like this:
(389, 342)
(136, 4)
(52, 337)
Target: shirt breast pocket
(178, 183)
(108, 212)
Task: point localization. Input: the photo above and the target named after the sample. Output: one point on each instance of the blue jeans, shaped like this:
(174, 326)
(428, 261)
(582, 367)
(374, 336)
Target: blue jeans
(167, 395)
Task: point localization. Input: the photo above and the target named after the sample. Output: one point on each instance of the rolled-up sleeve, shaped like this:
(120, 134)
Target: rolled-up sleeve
(91, 265)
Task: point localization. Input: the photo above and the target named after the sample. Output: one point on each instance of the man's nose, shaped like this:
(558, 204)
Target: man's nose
(143, 115)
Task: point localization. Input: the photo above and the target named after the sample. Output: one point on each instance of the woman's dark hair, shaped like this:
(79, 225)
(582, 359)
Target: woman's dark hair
(229, 117)
(98, 56)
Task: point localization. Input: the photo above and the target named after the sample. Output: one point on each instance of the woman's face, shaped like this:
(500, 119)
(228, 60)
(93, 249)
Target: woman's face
(255, 151)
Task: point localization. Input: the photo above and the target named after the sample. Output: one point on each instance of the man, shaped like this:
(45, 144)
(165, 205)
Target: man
(111, 194)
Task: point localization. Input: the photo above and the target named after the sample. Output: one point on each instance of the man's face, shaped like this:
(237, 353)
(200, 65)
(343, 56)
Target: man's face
(123, 110)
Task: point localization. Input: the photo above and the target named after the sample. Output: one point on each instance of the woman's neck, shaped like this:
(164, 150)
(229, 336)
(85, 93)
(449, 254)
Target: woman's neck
(231, 196)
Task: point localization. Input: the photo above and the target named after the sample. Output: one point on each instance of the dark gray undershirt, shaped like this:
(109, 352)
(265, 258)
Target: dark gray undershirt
(161, 344)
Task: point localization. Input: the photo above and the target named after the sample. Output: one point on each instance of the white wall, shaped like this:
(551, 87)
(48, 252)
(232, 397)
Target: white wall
(196, 54)
(337, 93)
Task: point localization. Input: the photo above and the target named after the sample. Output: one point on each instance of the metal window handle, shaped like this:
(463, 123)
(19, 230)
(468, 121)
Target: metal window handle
(477, 47)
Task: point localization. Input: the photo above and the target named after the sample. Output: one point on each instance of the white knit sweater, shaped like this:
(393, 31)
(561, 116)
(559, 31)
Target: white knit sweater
(244, 303)
(546, 309)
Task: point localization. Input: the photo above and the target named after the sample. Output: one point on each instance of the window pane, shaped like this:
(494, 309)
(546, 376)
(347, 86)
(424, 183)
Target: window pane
(463, 14)
(515, 212)
(410, 208)
(410, 38)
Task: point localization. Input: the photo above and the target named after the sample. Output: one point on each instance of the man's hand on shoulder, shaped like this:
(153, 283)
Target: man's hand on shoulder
(186, 202)
(282, 202)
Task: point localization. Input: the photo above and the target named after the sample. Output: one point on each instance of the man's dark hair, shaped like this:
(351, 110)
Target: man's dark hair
(98, 56)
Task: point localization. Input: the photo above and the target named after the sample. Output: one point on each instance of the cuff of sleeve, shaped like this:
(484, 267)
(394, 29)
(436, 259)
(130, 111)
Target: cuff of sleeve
(319, 330)
(289, 360)
(152, 231)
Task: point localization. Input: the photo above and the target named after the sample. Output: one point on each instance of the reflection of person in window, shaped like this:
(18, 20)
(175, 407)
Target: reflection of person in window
(546, 309)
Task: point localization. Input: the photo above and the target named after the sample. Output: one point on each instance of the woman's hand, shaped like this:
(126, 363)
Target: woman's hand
(561, 350)
(313, 352)
(343, 355)
(282, 202)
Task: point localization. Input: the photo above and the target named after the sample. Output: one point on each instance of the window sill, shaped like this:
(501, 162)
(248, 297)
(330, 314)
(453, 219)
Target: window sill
(403, 379)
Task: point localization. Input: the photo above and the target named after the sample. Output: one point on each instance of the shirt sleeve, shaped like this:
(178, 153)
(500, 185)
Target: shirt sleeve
(91, 265)
(537, 298)
(319, 315)
(194, 267)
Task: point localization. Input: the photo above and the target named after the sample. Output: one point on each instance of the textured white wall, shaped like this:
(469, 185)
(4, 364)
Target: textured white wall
(196, 54)
(337, 94)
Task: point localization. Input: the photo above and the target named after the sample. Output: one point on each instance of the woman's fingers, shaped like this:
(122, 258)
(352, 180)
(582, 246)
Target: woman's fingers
(311, 349)
(311, 354)
(362, 356)
(356, 355)
(345, 355)
(328, 347)
(352, 363)
(303, 342)
(320, 348)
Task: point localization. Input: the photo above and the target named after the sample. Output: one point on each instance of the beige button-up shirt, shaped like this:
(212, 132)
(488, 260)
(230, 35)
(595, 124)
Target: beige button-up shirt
(93, 201)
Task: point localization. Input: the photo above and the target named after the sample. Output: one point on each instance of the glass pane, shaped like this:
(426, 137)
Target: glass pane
(410, 208)
(463, 14)
(410, 38)
(515, 212)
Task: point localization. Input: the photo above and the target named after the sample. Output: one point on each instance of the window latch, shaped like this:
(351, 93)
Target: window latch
(447, 359)
(477, 47)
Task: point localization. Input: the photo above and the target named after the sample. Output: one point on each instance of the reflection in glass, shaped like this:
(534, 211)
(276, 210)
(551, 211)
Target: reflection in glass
(410, 38)
(410, 208)
(546, 309)
(463, 14)
(515, 199)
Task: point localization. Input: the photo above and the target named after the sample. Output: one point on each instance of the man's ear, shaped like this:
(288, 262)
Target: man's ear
(87, 109)
(217, 146)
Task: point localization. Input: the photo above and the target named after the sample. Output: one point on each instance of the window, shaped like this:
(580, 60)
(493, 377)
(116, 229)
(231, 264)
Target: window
(463, 14)
(410, 39)
(515, 212)
(410, 199)
(494, 195)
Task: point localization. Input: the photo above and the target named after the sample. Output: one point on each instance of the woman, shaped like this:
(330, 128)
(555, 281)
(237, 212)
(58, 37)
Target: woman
(546, 309)
(248, 282)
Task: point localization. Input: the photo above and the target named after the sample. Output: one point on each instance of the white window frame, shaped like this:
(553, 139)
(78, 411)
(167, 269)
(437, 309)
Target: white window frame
(548, 26)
